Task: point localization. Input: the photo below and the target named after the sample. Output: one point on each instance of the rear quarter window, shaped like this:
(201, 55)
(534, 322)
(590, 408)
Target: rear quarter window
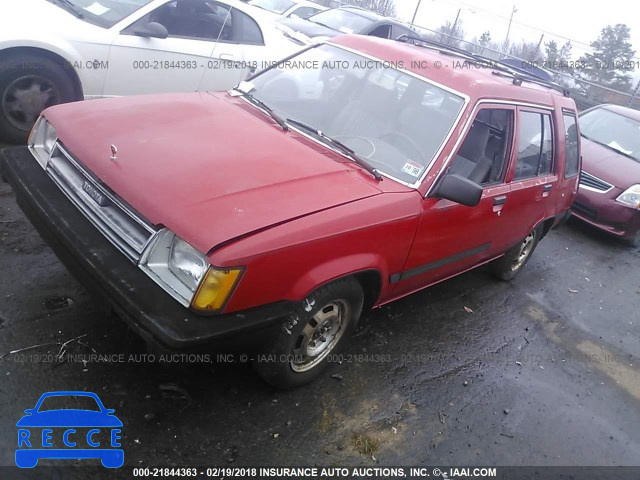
(572, 149)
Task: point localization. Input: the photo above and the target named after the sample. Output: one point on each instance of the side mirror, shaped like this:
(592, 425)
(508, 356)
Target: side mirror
(152, 30)
(109, 411)
(29, 411)
(459, 189)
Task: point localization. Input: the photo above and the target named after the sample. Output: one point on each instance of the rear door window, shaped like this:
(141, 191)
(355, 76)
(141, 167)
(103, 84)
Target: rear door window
(535, 145)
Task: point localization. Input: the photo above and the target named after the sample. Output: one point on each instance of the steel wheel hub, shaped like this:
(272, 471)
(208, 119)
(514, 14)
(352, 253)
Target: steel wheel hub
(320, 335)
(525, 250)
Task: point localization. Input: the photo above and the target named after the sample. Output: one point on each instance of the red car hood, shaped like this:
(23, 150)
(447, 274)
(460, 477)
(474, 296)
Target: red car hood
(608, 165)
(207, 166)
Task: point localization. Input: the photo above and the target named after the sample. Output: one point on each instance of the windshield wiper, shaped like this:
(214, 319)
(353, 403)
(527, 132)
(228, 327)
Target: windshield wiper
(263, 106)
(341, 147)
(70, 7)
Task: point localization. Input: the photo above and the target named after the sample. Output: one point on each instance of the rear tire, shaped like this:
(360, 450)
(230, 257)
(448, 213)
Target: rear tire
(28, 84)
(511, 264)
(318, 328)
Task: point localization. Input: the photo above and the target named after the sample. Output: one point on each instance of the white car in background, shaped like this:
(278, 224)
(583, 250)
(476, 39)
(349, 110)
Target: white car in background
(288, 8)
(55, 51)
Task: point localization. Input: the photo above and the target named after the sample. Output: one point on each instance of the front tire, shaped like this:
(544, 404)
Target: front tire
(634, 241)
(511, 264)
(29, 84)
(318, 328)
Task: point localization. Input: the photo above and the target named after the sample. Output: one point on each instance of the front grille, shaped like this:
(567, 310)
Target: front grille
(590, 182)
(585, 210)
(119, 224)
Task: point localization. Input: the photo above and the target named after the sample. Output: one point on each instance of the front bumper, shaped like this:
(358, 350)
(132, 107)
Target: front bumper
(99, 266)
(602, 211)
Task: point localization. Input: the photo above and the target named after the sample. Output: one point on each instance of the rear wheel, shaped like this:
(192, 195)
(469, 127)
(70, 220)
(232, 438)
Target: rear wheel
(320, 327)
(512, 263)
(28, 85)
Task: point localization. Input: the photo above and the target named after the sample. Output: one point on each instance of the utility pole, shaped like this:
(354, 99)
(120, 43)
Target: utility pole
(452, 33)
(413, 20)
(506, 39)
(535, 54)
(633, 97)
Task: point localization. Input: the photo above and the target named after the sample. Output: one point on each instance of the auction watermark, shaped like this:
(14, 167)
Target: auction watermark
(521, 359)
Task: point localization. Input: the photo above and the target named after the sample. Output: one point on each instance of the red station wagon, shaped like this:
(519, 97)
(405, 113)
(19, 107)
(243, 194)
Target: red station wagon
(355, 173)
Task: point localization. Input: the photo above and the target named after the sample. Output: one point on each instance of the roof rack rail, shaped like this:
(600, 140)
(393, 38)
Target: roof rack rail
(518, 75)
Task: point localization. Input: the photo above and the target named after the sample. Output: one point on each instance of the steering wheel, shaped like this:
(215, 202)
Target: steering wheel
(366, 141)
(414, 148)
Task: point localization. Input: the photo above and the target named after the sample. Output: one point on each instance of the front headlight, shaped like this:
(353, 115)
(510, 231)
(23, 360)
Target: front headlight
(187, 264)
(630, 197)
(187, 275)
(41, 141)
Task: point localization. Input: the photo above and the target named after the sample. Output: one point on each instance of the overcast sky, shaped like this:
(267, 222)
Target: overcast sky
(577, 20)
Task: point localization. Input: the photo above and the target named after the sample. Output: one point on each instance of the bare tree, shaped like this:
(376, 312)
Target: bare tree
(529, 51)
(451, 33)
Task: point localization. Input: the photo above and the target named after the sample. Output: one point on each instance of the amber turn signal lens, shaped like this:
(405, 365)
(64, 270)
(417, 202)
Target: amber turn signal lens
(215, 289)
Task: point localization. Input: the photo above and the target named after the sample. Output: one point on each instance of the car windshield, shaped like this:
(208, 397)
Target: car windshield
(69, 402)
(394, 121)
(612, 130)
(104, 13)
(341, 20)
(275, 6)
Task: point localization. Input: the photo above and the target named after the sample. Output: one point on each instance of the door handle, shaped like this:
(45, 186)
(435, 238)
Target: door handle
(498, 203)
(226, 56)
(499, 200)
(547, 188)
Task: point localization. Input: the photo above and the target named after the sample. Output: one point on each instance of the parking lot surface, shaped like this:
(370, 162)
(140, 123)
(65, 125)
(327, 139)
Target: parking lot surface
(540, 371)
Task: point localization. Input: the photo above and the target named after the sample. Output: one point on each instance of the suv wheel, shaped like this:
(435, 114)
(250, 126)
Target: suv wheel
(28, 85)
(509, 265)
(318, 328)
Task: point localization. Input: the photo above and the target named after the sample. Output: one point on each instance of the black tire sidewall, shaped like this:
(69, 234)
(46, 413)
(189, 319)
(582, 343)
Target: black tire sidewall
(280, 374)
(14, 67)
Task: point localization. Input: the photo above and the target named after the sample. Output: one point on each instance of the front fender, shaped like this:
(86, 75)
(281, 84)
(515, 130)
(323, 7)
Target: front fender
(339, 268)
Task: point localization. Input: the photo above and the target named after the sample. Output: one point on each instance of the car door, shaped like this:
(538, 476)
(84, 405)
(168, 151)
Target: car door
(141, 64)
(240, 52)
(534, 180)
(452, 238)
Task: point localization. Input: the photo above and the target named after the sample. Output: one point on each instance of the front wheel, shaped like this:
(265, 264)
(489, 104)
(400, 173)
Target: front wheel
(315, 330)
(512, 263)
(633, 241)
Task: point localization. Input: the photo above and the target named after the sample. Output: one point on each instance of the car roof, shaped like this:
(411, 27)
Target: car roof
(625, 111)
(362, 12)
(475, 82)
(309, 3)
